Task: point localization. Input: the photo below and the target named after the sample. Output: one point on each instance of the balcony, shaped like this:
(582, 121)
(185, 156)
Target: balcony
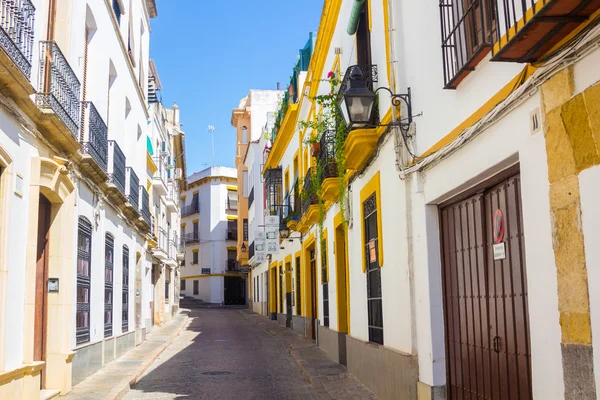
(190, 209)
(251, 251)
(161, 251)
(251, 198)
(159, 180)
(94, 144)
(172, 253)
(172, 200)
(191, 238)
(327, 157)
(233, 266)
(16, 42)
(525, 30)
(232, 233)
(145, 220)
(309, 204)
(115, 186)
(132, 193)
(58, 99)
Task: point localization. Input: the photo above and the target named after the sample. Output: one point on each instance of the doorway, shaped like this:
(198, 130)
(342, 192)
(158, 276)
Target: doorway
(484, 281)
(235, 290)
(313, 292)
(41, 276)
(341, 279)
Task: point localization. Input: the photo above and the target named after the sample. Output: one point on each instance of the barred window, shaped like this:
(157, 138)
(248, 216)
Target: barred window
(374, 297)
(109, 247)
(325, 283)
(125, 299)
(183, 284)
(196, 287)
(84, 257)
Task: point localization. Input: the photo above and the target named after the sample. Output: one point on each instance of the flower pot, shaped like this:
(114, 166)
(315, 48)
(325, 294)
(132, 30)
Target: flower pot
(315, 149)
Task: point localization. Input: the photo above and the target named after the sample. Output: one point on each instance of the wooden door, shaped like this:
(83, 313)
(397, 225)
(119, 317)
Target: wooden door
(41, 276)
(485, 296)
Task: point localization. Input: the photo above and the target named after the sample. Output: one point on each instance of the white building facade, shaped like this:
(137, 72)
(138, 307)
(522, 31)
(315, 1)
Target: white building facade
(75, 212)
(210, 271)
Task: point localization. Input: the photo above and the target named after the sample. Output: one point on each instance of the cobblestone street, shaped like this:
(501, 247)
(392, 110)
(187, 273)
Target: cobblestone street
(223, 354)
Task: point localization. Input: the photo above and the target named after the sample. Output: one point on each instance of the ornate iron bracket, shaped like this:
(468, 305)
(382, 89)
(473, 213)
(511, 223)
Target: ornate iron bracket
(397, 100)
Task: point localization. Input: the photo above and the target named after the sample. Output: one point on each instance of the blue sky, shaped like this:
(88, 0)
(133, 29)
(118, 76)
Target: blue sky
(210, 53)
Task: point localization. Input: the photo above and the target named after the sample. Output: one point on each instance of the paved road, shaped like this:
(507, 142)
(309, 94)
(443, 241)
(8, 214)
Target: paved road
(222, 355)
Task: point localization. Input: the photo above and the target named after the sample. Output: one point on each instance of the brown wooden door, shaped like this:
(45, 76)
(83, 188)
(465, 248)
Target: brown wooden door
(41, 276)
(485, 296)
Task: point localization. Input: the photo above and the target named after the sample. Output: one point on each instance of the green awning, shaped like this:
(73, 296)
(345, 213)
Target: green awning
(354, 16)
(149, 145)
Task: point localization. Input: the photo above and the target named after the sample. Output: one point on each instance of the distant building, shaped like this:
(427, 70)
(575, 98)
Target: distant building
(209, 229)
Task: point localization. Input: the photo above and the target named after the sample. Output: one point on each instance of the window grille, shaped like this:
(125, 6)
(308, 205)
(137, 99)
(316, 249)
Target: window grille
(108, 284)
(125, 299)
(374, 298)
(84, 261)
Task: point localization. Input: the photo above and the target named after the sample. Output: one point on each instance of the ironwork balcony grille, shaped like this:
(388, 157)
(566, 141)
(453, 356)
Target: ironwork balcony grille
(328, 155)
(310, 197)
(467, 36)
(367, 73)
(173, 193)
(251, 250)
(191, 238)
(232, 265)
(16, 32)
(161, 172)
(190, 209)
(274, 189)
(290, 203)
(163, 240)
(132, 186)
(59, 89)
(145, 206)
(116, 166)
(94, 134)
(251, 197)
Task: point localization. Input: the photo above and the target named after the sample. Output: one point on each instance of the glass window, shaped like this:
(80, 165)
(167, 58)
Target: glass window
(84, 257)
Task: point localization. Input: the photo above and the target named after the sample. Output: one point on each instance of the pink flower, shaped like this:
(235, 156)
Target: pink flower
(330, 74)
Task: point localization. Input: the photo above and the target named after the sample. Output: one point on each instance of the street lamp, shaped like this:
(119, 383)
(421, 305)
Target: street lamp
(284, 231)
(357, 102)
(243, 248)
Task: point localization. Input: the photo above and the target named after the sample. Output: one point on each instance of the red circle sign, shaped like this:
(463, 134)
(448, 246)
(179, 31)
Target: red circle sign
(498, 226)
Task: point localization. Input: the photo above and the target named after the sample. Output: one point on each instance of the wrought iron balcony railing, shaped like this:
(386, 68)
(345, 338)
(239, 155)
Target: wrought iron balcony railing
(94, 134)
(116, 166)
(16, 32)
(190, 209)
(145, 206)
(232, 234)
(367, 73)
(309, 196)
(232, 266)
(291, 204)
(161, 172)
(132, 187)
(173, 192)
(59, 89)
(191, 238)
(328, 156)
(163, 240)
(251, 250)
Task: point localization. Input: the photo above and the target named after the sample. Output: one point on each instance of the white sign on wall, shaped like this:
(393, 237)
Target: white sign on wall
(272, 239)
(272, 221)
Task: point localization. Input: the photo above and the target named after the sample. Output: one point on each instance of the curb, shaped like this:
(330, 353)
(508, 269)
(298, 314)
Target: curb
(150, 360)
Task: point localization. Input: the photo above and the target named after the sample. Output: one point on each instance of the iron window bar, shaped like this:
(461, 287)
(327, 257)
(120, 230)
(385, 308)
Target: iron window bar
(125, 294)
(84, 263)
(116, 166)
(132, 187)
(16, 32)
(108, 285)
(145, 204)
(94, 134)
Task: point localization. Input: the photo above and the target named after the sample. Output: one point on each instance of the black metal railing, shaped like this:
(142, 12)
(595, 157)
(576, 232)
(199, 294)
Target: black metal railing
(466, 33)
(251, 197)
(132, 187)
(251, 250)
(273, 188)
(232, 265)
(327, 155)
(191, 238)
(116, 166)
(145, 206)
(190, 209)
(59, 88)
(16, 32)
(309, 192)
(291, 204)
(94, 132)
(161, 172)
(163, 240)
(232, 234)
(366, 73)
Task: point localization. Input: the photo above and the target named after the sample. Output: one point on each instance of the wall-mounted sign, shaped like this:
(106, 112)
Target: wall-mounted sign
(499, 251)
(52, 285)
(260, 257)
(206, 270)
(372, 252)
(498, 226)
(259, 234)
(245, 270)
(272, 221)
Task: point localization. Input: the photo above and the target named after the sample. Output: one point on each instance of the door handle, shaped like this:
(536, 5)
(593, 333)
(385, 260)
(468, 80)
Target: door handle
(497, 344)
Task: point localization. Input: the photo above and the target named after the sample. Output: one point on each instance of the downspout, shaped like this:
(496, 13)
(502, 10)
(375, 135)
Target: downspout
(354, 17)
(399, 145)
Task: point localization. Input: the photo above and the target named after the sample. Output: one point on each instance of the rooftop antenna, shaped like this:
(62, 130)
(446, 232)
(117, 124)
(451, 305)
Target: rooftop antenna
(211, 129)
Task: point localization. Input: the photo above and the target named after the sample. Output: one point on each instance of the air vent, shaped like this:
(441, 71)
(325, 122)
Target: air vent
(535, 121)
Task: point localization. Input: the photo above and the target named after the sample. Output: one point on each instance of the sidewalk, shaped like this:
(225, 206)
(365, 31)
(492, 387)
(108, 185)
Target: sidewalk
(114, 379)
(329, 379)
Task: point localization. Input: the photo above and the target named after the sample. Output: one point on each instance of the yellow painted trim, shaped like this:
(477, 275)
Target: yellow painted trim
(182, 225)
(231, 248)
(386, 30)
(150, 164)
(230, 187)
(329, 17)
(232, 217)
(195, 250)
(373, 186)
(328, 261)
(286, 180)
(195, 221)
(24, 370)
(370, 15)
(481, 112)
(148, 185)
(513, 30)
(195, 192)
(286, 132)
(575, 32)
(337, 222)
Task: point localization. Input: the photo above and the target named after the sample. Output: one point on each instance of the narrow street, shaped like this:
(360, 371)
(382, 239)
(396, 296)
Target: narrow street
(223, 355)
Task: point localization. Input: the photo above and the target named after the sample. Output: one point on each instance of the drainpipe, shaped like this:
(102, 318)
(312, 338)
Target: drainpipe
(354, 16)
